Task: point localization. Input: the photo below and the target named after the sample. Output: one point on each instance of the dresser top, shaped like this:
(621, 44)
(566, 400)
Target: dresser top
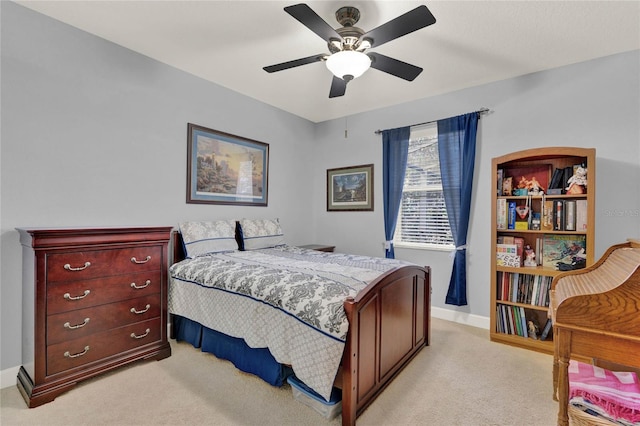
(65, 236)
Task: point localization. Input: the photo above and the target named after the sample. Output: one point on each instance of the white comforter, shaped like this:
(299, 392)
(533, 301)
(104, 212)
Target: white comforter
(287, 299)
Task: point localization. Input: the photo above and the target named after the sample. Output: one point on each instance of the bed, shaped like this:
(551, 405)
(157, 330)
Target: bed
(238, 285)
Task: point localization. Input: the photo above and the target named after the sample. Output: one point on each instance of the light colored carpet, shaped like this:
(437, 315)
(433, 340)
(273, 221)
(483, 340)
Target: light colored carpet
(461, 379)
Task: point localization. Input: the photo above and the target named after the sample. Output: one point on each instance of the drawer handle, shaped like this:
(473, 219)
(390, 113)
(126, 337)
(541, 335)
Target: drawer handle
(80, 268)
(68, 355)
(134, 336)
(146, 308)
(70, 297)
(134, 260)
(138, 287)
(73, 327)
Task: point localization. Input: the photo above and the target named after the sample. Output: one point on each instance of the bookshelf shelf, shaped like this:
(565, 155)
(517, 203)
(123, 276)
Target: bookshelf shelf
(519, 294)
(532, 270)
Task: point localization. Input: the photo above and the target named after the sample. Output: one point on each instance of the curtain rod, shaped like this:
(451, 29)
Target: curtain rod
(481, 111)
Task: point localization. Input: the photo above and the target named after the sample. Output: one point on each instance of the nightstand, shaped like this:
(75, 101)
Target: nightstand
(319, 247)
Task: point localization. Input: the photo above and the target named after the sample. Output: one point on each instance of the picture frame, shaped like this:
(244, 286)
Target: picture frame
(226, 169)
(350, 188)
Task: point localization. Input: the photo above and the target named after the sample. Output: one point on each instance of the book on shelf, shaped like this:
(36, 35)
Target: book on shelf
(545, 331)
(519, 241)
(538, 251)
(558, 218)
(581, 215)
(501, 214)
(511, 218)
(556, 179)
(500, 176)
(562, 249)
(523, 322)
(570, 215)
(507, 255)
(568, 172)
(547, 215)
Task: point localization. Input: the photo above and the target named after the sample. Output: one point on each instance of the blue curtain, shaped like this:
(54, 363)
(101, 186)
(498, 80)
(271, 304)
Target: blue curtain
(457, 153)
(395, 149)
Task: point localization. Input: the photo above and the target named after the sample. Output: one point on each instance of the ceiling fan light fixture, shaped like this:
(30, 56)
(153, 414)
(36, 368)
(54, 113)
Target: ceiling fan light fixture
(348, 63)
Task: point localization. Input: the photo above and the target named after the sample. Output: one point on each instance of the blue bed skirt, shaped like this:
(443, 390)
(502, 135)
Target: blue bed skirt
(257, 361)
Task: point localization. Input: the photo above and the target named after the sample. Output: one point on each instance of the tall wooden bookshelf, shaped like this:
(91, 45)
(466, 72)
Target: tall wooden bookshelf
(519, 294)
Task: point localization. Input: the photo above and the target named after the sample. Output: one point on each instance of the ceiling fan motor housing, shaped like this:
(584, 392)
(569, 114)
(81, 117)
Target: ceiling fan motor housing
(347, 16)
(350, 37)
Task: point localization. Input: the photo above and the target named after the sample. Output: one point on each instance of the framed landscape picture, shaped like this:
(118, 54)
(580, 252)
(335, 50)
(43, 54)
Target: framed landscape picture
(226, 169)
(350, 188)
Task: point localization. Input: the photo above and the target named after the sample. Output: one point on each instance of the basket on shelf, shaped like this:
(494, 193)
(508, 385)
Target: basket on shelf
(577, 417)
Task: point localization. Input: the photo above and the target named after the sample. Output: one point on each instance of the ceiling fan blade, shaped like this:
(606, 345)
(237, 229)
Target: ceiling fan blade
(311, 20)
(338, 87)
(411, 21)
(394, 67)
(295, 63)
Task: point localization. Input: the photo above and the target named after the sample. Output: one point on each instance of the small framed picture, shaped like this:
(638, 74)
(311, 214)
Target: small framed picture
(350, 188)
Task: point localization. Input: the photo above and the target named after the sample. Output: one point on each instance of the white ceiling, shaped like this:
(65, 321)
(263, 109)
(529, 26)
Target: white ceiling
(472, 42)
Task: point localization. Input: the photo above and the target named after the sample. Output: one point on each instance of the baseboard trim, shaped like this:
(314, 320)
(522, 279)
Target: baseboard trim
(9, 377)
(460, 317)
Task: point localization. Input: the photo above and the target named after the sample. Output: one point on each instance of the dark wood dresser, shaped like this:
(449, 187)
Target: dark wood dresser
(94, 299)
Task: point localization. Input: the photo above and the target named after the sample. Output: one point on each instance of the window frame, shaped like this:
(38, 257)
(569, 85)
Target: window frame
(429, 131)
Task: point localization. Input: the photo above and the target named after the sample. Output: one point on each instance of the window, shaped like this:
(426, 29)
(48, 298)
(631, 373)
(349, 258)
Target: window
(423, 221)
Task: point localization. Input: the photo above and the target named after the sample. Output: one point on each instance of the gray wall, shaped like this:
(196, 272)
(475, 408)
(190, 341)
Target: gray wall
(95, 135)
(594, 104)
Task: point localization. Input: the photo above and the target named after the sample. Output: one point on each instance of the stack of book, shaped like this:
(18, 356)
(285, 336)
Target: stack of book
(513, 320)
(524, 288)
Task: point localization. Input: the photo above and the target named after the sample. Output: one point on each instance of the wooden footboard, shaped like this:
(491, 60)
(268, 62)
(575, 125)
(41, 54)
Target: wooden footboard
(389, 322)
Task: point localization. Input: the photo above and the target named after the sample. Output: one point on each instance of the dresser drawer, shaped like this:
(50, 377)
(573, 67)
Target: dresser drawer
(66, 355)
(71, 295)
(83, 322)
(82, 265)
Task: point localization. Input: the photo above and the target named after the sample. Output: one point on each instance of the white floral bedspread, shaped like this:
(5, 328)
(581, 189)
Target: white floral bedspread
(286, 298)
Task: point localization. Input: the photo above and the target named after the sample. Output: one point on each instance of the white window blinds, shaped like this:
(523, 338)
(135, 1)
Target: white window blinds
(423, 219)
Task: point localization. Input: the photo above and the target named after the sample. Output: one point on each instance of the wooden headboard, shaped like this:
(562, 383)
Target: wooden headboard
(177, 246)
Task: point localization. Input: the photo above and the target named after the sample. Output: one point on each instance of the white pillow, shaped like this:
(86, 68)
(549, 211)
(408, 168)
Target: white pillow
(261, 233)
(208, 237)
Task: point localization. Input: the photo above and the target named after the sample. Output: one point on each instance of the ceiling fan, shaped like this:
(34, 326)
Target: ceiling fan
(348, 44)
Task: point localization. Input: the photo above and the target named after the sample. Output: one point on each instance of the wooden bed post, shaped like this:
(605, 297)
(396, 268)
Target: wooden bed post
(350, 367)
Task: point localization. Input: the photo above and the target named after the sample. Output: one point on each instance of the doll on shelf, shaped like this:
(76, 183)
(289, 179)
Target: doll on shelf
(530, 256)
(534, 187)
(578, 182)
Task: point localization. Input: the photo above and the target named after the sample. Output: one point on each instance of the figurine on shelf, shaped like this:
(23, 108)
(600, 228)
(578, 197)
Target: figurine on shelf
(578, 182)
(534, 329)
(530, 256)
(507, 186)
(534, 187)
